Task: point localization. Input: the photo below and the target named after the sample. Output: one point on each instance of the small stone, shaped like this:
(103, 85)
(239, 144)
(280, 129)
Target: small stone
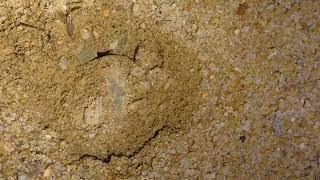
(64, 9)
(167, 84)
(237, 69)
(63, 64)
(237, 32)
(302, 146)
(85, 33)
(63, 144)
(136, 10)
(86, 54)
(119, 43)
(258, 81)
(114, 44)
(276, 124)
(143, 25)
(92, 135)
(246, 126)
(96, 34)
(23, 177)
(186, 163)
(105, 12)
(47, 172)
(194, 27)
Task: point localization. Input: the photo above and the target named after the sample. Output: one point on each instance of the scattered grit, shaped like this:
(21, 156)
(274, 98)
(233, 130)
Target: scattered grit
(162, 89)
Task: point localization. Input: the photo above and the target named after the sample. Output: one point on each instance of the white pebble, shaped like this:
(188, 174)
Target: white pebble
(136, 9)
(86, 34)
(114, 44)
(63, 64)
(23, 177)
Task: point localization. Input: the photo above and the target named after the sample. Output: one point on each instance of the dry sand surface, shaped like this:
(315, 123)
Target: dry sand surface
(159, 89)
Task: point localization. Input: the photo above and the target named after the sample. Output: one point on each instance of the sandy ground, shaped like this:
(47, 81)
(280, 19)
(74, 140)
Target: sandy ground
(162, 89)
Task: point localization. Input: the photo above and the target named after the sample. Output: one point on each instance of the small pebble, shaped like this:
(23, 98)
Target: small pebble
(136, 10)
(276, 124)
(47, 172)
(114, 44)
(85, 34)
(86, 54)
(105, 12)
(63, 64)
(23, 177)
(237, 32)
